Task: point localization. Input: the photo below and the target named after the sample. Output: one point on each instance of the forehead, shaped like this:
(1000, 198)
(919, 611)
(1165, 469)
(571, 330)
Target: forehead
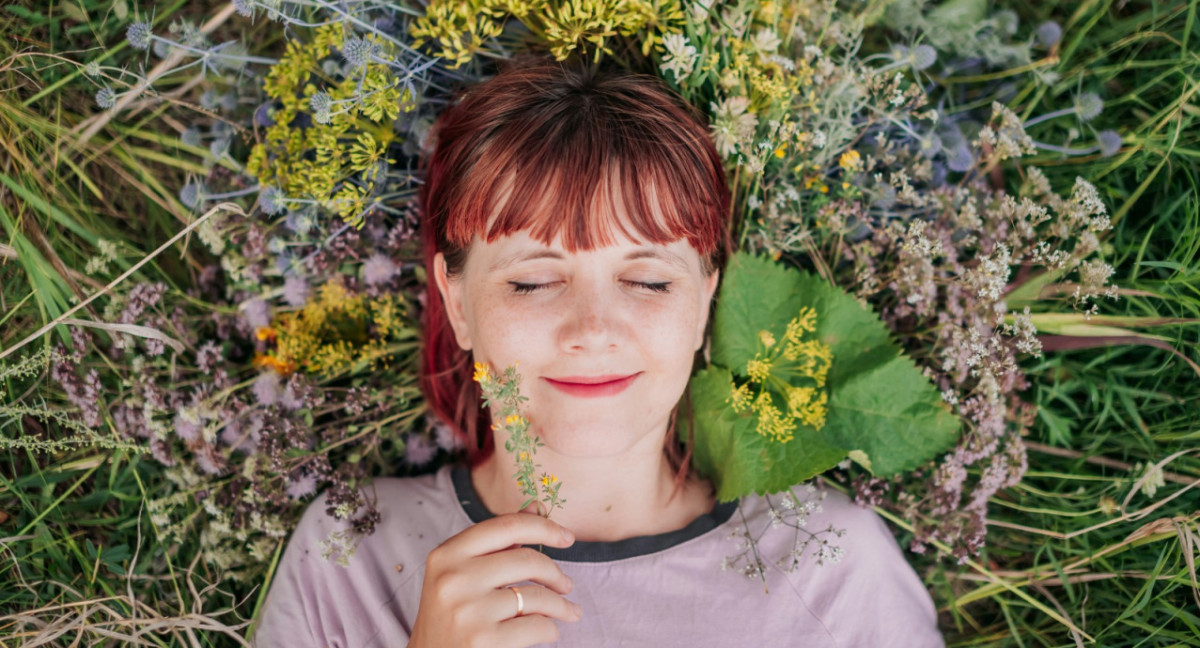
(521, 246)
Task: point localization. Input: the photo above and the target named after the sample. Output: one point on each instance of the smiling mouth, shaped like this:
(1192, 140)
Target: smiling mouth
(593, 386)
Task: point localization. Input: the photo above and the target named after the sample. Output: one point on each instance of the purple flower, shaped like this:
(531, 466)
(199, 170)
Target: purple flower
(418, 449)
(266, 388)
(257, 313)
(187, 425)
(378, 268)
(295, 290)
(446, 438)
(302, 486)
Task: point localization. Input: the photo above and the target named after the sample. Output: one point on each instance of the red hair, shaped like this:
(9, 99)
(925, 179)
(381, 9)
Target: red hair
(559, 149)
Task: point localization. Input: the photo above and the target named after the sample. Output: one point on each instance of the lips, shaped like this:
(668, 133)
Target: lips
(593, 386)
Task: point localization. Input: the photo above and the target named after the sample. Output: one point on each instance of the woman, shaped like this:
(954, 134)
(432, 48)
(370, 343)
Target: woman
(575, 224)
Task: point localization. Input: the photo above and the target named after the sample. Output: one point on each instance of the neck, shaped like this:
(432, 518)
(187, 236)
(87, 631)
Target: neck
(606, 498)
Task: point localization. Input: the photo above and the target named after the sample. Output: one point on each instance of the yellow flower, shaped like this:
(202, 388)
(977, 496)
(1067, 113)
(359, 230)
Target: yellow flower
(481, 372)
(850, 161)
(779, 152)
(740, 398)
(513, 419)
(524, 456)
(766, 338)
(548, 479)
(758, 370)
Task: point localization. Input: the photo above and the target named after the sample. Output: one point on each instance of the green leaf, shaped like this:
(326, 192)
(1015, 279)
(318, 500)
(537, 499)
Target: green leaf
(880, 403)
(729, 450)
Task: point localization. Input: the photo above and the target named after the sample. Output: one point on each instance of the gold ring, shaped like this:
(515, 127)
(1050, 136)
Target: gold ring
(520, 600)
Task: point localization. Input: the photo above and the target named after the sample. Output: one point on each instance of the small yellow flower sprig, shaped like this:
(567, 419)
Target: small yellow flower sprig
(503, 396)
(778, 365)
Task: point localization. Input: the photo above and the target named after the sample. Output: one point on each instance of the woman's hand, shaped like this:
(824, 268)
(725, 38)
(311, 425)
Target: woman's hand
(464, 602)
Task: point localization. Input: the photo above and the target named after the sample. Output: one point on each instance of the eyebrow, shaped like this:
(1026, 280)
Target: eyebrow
(643, 253)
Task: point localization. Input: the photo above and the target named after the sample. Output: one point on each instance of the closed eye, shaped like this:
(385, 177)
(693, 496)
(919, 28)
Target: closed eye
(527, 288)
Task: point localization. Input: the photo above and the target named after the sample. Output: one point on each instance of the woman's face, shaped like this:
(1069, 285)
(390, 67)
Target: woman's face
(631, 311)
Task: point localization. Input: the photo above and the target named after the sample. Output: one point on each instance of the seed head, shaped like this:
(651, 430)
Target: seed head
(1088, 105)
(922, 56)
(357, 51)
(1049, 33)
(138, 35)
(106, 98)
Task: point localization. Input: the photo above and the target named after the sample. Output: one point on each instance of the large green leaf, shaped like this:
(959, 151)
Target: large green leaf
(880, 404)
(738, 459)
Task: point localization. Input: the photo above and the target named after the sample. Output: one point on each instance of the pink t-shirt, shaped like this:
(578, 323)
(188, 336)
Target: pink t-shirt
(657, 591)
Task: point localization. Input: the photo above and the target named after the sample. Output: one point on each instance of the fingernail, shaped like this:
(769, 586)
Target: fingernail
(568, 536)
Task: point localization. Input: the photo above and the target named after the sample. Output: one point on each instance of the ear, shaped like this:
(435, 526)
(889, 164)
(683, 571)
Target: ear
(452, 298)
(710, 288)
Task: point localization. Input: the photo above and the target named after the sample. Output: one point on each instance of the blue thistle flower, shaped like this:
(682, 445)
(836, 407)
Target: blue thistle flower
(106, 98)
(357, 51)
(1048, 33)
(321, 104)
(931, 145)
(271, 200)
(1088, 105)
(960, 159)
(244, 7)
(1109, 142)
(138, 34)
(92, 68)
(190, 136)
(192, 194)
(922, 56)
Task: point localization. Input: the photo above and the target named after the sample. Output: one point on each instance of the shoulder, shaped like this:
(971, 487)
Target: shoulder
(316, 598)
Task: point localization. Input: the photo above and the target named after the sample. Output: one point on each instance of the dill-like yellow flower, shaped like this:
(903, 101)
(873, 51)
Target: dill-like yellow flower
(548, 479)
(740, 398)
(513, 419)
(766, 338)
(758, 370)
(481, 372)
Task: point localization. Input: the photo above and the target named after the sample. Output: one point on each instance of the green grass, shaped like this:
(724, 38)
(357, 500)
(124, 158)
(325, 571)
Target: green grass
(1072, 548)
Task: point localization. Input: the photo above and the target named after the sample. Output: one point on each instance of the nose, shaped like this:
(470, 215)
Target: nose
(590, 321)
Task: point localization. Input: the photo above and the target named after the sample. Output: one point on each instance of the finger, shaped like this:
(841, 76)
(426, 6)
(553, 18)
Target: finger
(526, 631)
(516, 565)
(504, 531)
(502, 604)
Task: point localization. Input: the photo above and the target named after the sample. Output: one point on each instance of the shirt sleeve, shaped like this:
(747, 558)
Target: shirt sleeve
(881, 602)
(315, 602)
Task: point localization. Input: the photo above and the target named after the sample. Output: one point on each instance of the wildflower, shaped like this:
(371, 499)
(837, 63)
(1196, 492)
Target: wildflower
(733, 126)
(300, 487)
(267, 388)
(295, 290)
(680, 58)
(850, 161)
(418, 449)
(1088, 106)
(271, 200)
(245, 8)
(481, 373)
(1108, 142)
(106, 98)
(758, 370)
(357, 52)
(192, 194)
(378, 269)
(1048, 33)
(138, 34)
(765, 40)
(548, 479)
